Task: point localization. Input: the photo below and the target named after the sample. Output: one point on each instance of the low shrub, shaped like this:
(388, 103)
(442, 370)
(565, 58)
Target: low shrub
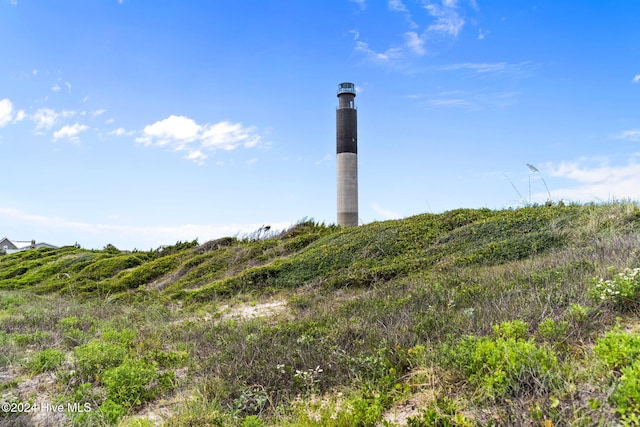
(623, 290)
(95, 357)
(46, 360)
(618, 348)
(134, 382)
(627, 394)
(506, 364)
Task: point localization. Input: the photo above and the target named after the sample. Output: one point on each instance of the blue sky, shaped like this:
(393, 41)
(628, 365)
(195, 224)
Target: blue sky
(141, 123)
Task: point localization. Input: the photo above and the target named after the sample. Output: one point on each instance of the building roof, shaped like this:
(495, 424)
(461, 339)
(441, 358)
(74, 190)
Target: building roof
(17, 245)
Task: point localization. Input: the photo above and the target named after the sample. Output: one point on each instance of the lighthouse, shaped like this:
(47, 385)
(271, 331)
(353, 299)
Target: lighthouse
(347, 155)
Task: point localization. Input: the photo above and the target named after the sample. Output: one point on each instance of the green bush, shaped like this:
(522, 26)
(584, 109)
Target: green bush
(551, 330)
(47, 360)
(133, 383)
(516, 329)
(622, 290)
(107, 414)
(37, 337)
(578, 313)
(506, 364)
(95, 357)
(109, 267)
(618, 348)
(627, 394)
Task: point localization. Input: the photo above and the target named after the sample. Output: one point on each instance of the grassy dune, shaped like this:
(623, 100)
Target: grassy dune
(465, 318)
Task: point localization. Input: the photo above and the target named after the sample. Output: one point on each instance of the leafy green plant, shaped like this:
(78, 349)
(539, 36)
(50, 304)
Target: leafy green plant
(46, 360)
(578, 313)
(627, 394)
(134, 382)
(622, 290)
(107, 414)
(506, 364)
(618, 348)
(93, 358)
(551, 330)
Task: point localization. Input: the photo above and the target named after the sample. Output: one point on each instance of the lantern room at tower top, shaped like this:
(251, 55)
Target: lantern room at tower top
(346, 95)
(347, 87)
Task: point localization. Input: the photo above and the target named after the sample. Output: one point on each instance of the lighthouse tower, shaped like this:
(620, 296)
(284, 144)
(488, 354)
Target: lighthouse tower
(347, 155)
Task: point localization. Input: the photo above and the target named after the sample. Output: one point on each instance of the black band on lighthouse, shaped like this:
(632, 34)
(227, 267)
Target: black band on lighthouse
(346, 131)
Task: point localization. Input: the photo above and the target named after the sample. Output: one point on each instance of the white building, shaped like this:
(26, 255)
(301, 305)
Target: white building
(10, 246)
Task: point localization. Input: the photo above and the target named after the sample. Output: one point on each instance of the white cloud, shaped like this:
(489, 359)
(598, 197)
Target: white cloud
(227, 136)
(597, 180)
(326, 158)
(397, 6)
(493, 69)
(380, 57)
(636, 79)
(6, 111)
(629, 135)
(69, 132)
(474, 100)
(45, 118)
(174, 128)
(448, 20)
(181, 133)
(444, 20)
(483, 67)
(120, 132)
(13, 2)
(197, 156)
(415, 42)
(385, 213)
(20, 115)
(56, 88)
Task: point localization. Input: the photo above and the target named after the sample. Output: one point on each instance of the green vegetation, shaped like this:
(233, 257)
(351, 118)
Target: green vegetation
(466, 318)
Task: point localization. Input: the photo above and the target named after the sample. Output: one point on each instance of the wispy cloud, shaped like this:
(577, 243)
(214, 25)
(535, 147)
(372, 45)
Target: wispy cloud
(500, 69)
(484, 67)
(636, 79)
(629, 135)
(6, 111)
(473, 100)
(179, 133)
(397, 6)
(415, 42)
(385, 213)
(121, 132)
(379, 57)
(433, 22)
(326, 158)
(596, 179)
(70, 132)
(448, 20)
(46, 118)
